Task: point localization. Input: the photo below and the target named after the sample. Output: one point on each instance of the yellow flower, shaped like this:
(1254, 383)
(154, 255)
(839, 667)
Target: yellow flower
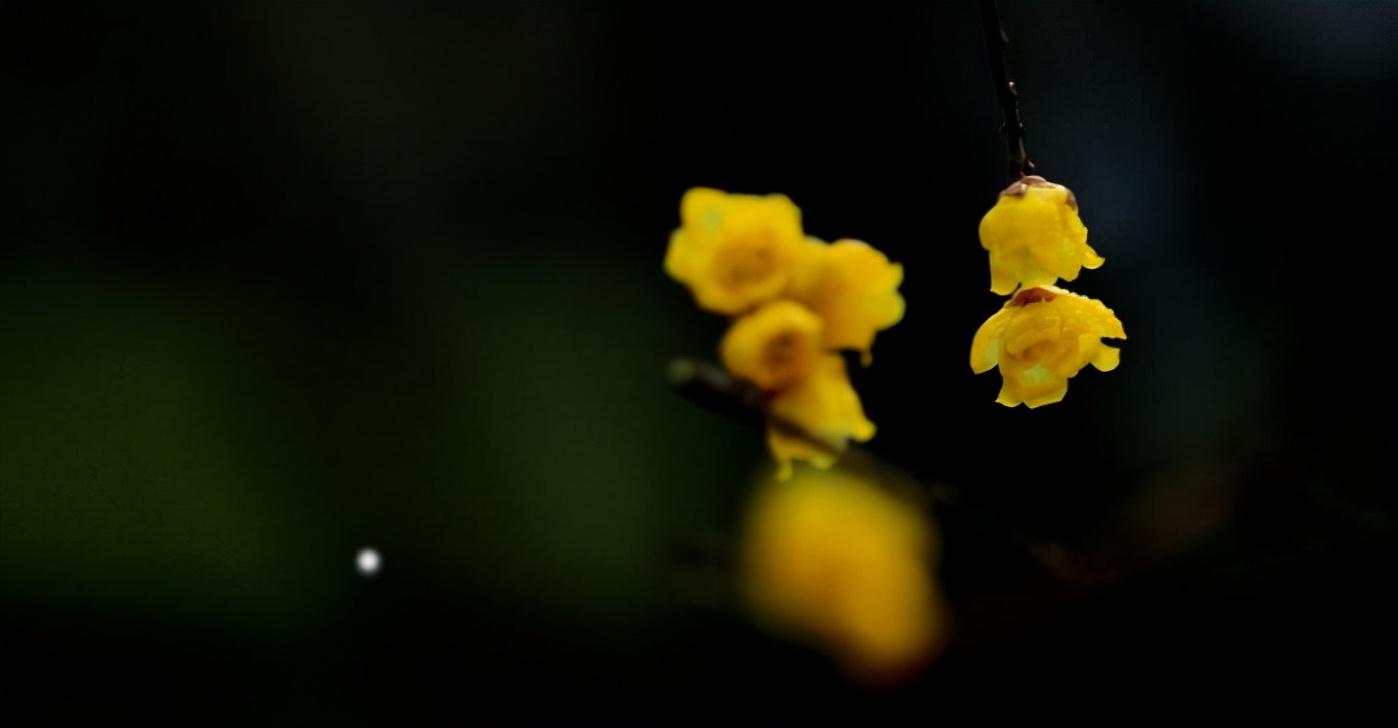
(1035, 237)
(773, 347)
(830, 557)
(853, 287)
(1040, 339)
(823, 407)
(734, 251)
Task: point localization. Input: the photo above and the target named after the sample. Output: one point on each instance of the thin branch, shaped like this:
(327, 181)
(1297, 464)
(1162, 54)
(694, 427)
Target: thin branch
(1012, 126)
(716, 389)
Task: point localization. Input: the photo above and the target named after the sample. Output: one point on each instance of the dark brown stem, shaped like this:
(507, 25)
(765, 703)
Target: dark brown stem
(1012, 126)
(724, 393)
(714, 388)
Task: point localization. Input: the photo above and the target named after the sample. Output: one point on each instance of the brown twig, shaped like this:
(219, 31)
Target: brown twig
(1005, 91)
(717, 390)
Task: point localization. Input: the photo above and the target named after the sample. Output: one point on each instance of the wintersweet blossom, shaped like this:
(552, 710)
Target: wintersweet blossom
(830, 557)
(826, 411)
(734, 252)
(795, 300)
(852, 287)
(775, 346)
(1041, 339)
(1035, 237)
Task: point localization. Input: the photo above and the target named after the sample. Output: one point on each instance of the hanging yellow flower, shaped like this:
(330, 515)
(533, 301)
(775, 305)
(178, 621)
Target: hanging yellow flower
(734, 251)
(773, 347)
(830, 557)
(1035, 237)
(1042, 338)
(852, 287)
(825, 408)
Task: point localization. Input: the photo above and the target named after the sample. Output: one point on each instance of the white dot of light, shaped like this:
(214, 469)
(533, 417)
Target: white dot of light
(368, 562)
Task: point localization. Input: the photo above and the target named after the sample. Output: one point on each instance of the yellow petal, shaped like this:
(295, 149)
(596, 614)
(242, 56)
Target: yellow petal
(701, 209)
(1049, 395)
(1090, 259)
(680, 256)
(1033, 383)
(852, 287)
(1007, 397)
(1107, 358)
(1005, 272)
(985, 347)
(788, 448)
(824, 406)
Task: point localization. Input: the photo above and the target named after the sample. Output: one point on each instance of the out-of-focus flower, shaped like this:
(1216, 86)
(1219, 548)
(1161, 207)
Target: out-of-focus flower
(852, 287)
(829, 557)
(825, 408)
(1040, 339)
(734, 251)
(1035, 237)
(794, 299)
(773, 347)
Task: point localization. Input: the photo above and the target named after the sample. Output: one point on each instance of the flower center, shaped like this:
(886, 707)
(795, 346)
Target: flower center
(781, 350)
(745, 263)
(1040, 351)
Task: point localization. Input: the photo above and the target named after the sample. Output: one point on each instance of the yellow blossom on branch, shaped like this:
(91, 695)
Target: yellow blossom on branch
(829, 557)
(827, 412)
(775, 346)
(852, 287)
(794, 300)
(1041, 339)
(734, 252)
(1035, 237)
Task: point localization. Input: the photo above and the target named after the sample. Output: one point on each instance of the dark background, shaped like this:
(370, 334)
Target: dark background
(282, 280)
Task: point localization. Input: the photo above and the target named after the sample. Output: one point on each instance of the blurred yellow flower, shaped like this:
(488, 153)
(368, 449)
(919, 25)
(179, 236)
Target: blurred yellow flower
(1040, 339)
(825, 408)
(794, 300)
(773, 347)
(829, 557)
(850, 285)
(734, 251)
(1035, 237)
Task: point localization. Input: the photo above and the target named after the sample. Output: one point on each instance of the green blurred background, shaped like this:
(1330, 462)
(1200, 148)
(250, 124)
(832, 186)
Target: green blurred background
(281, 281)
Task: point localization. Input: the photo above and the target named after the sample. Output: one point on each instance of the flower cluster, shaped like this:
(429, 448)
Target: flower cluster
(1044, 335)
(833, 558)
(795, 301)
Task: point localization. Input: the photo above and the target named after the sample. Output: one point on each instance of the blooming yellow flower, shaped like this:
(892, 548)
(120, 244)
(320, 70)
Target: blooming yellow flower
(830, 557)
(773, 347)
(734, 251)
(1035, 237)
(824, 407)
(850, 285)
(1040, 339)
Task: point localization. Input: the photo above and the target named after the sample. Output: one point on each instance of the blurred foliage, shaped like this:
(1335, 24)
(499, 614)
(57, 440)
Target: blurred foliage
(149, 464)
